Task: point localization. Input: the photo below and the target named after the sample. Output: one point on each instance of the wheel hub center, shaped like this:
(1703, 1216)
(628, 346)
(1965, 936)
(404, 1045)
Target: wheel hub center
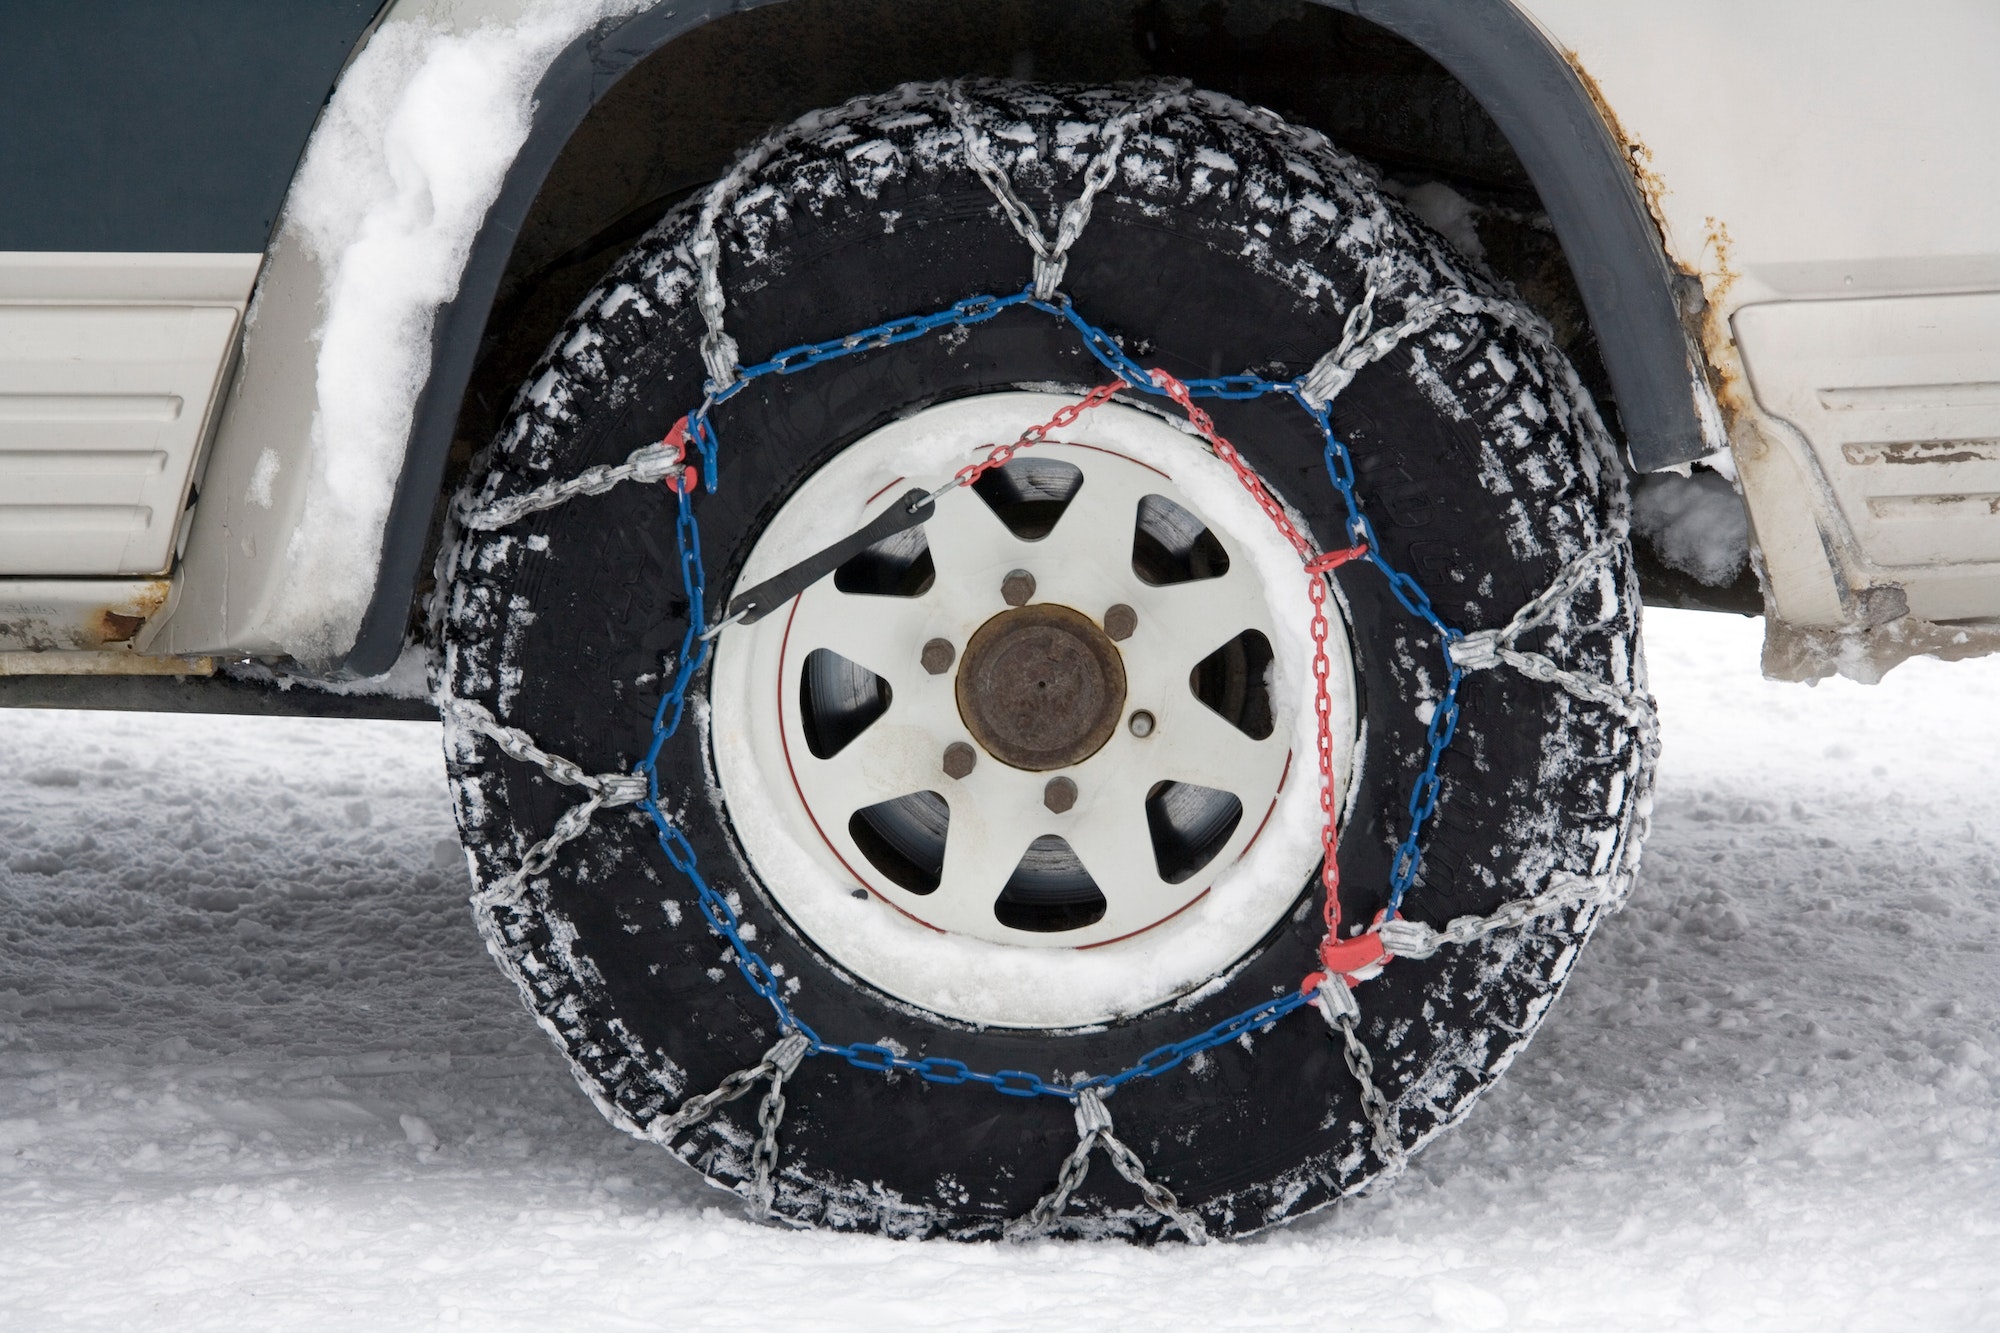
(1041, 687)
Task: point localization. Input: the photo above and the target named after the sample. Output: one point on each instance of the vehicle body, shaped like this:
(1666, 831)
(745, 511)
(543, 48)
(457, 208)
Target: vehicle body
(1785, 231)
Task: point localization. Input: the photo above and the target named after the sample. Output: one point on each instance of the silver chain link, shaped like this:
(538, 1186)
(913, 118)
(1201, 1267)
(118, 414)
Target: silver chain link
(612, 788)
(509, 889)
(1052, 257)
(784, 1062)
(778, 1064)
(607, 790)
(1038, 1219)
(1336, 1003)
(719, 353)
(1093, 1130)
(1413, 939)
(1362, 344)
(648, 463)
(1487, 648)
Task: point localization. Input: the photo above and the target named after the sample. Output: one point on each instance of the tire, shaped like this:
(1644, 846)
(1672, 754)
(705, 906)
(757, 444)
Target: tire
(1227, 240)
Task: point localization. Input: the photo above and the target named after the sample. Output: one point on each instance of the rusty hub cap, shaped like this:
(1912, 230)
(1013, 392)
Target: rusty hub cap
(1041, 687)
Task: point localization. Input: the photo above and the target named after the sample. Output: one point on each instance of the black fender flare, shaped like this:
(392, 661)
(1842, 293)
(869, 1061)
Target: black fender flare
(1505, 62)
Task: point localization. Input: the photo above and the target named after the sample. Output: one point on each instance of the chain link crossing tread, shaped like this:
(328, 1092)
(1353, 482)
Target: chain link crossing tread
(1093, 1130)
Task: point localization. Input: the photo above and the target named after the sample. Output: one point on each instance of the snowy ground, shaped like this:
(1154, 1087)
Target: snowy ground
(256, 1070)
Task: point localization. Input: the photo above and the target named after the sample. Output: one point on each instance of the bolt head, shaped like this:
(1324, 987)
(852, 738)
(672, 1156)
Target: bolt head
(937, 656)
(1017, 587)
(1142, 724)
(1120, 621)
(958, 759)
(1060, 795)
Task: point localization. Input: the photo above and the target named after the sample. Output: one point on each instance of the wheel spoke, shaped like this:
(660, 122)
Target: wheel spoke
(1095, 530)
(888, 760)
(970, 547)
(883, 634)
(1116, 847)
(992, 823)
(1194, 743)
(1181, 624)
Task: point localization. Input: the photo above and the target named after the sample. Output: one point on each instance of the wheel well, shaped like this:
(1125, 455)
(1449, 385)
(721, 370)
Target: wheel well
(678, 119)
(638, 116)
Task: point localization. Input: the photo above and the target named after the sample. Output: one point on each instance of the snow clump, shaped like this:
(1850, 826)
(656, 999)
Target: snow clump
(1696, 524)
(410, 153)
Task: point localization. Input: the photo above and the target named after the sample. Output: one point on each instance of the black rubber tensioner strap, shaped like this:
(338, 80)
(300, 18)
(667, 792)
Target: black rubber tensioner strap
(753, 604)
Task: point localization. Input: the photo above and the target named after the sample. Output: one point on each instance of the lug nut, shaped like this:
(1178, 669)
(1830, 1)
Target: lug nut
(1120, 621)
(1142, 724)
(1059, 795)
(958, 759)
(1017, 587)
(937, 656)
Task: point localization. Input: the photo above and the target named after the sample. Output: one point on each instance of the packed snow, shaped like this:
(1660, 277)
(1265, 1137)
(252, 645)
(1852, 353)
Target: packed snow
(1696, 524)
(257, 1071)
(410, 153)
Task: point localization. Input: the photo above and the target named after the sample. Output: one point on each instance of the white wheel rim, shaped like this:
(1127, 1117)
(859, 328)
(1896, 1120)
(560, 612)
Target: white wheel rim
(949, 950)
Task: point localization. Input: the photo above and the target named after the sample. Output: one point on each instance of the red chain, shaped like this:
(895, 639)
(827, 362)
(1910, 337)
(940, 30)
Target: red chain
(1034, 435)
(1338, 957)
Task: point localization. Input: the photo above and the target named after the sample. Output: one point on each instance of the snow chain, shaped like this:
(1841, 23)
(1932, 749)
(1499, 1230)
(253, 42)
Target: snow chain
(1093, 1130)
(1347, 960)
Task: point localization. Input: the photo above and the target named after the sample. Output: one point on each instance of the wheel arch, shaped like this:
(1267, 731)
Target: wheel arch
(1495, 51)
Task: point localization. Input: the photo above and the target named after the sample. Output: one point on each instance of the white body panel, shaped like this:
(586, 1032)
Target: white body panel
(1800, 158)
(1899, 400)
(109, 367)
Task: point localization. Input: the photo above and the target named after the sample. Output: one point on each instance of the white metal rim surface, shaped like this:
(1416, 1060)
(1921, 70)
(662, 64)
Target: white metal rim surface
(945, 951)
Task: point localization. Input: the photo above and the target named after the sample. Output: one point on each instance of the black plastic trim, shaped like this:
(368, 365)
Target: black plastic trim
(203, 694)
(574, 82)
(1496, 51)
(1587, 187)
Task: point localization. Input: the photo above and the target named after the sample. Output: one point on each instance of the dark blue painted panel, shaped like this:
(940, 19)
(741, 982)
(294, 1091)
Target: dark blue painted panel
(160, 124)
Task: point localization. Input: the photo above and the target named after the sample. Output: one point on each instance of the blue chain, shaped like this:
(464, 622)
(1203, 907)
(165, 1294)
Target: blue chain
(694, 653)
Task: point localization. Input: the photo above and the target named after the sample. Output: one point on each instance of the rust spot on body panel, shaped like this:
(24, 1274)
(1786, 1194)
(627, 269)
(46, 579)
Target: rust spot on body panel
(1702, 316)
(102, 662)
(60, 620)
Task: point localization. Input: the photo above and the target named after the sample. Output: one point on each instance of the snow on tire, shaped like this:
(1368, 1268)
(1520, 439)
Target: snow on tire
(1222, 241)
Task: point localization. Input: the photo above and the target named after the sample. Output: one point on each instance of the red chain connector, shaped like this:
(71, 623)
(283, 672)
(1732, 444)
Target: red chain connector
(687, 476)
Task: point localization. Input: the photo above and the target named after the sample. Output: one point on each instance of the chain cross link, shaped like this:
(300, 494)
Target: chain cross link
(664, 461)
(606, 790)
(1093, 1130)
(611, 788)
(1413, 939)
(1488, 648)
(1052, 257)
(1362, 344)
(778, 1063)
